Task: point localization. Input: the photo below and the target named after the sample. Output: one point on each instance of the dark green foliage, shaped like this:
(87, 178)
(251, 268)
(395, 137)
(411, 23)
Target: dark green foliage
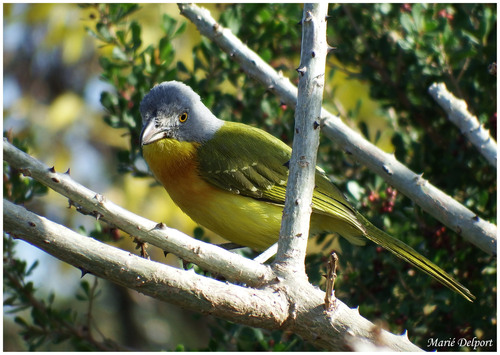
(40, 320)
(399, 50)
(228, 336)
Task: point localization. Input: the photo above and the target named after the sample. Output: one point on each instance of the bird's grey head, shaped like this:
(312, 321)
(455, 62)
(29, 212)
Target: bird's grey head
(173, 110)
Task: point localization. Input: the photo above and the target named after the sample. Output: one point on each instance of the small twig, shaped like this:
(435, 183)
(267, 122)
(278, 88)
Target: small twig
(330, 282)
(144, 248)
(468, 124)
(267, 254)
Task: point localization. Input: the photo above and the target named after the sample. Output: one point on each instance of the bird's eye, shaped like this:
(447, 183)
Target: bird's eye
(183, 117)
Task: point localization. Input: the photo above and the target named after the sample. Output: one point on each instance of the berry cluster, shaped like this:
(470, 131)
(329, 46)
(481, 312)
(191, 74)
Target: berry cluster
(386, 202)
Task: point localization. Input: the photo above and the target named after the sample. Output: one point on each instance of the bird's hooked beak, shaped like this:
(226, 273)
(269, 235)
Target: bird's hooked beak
(152, 132)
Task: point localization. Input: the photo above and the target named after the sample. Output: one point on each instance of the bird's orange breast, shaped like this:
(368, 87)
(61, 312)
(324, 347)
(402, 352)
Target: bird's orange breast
(174, 164)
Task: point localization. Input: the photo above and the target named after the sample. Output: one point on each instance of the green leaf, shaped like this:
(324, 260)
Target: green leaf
(168, 25)
(119, 54)
(103, 31)
(121, 36)
(21, 321)
(135, 29)
(119, 11)
(129, 120)
(32, 267)
(181, 29)
(485, 25)
(364, 129)
(108, 100)
(181, 67)
(407, 22)
(166, 50)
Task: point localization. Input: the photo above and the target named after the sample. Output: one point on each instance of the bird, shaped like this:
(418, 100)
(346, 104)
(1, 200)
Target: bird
(231, 178)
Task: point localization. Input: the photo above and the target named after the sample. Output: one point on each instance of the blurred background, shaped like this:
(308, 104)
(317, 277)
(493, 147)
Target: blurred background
(71, 88)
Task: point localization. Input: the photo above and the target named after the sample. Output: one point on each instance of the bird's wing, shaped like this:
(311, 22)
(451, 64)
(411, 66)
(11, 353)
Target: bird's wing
(246, 161)
(251, 162)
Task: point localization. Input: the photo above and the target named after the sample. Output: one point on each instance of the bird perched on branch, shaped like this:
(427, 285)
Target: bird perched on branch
(231, 178)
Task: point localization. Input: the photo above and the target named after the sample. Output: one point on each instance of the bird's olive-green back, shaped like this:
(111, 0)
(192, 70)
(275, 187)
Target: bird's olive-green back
(253, 163)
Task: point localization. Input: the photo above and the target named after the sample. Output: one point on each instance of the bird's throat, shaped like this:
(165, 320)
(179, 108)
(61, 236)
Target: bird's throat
(171, 160)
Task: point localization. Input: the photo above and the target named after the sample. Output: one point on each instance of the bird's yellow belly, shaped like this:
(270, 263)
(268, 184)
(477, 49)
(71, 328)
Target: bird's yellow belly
(240, 219)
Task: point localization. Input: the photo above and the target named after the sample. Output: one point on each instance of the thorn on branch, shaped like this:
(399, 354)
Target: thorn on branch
(160, 225)
(68, 171)
(330, 48)
(100, 198)
(84, 271)
(420, 180)
(387, 169)
(303, 162)
(52, 170)
(301, 71)
(309, 16)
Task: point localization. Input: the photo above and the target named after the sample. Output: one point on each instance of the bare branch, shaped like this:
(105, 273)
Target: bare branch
(163, 282)
(467, 123)
(208, 256)
(435, 202)
(432, 200)
(297, 211)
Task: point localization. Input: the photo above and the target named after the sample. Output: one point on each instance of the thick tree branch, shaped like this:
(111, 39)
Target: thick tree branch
(209, 257)
(467, 123)
(297, 211)
(163, 282)
(435, 202)
(286, 303)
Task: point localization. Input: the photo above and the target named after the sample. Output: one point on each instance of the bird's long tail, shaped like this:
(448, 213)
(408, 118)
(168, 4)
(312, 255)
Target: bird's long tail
(408, 254)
